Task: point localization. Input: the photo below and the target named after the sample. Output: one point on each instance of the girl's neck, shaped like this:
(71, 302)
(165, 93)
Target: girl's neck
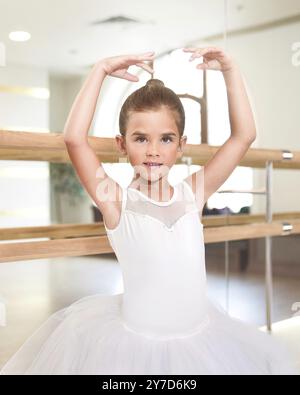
(160, 188)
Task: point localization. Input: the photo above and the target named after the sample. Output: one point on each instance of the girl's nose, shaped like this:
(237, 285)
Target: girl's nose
(152, 149)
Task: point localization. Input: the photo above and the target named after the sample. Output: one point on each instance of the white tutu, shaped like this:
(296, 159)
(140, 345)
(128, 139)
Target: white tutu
(89, 337)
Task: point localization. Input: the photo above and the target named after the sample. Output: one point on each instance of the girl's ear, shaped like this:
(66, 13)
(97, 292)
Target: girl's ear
(120, 140)
(182, 143)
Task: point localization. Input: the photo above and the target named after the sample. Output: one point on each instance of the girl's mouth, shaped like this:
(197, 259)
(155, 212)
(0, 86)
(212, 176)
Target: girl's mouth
(154, 165)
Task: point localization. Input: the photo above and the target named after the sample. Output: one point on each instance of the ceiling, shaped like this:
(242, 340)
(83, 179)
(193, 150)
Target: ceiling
(67, 36)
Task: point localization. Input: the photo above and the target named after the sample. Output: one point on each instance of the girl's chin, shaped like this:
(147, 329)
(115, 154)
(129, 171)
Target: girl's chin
(151, 177)
(151, 173)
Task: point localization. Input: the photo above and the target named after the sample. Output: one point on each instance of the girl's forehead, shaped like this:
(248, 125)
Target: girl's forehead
(152, 122)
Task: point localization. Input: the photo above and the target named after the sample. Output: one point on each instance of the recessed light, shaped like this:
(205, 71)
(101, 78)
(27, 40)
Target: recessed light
(19, 36)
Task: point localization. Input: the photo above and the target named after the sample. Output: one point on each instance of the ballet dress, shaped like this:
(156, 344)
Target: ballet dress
(163, 323)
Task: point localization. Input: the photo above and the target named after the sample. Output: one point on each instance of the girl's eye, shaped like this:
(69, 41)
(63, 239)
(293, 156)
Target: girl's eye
(143, 138)
(140, 138)
(167, 138)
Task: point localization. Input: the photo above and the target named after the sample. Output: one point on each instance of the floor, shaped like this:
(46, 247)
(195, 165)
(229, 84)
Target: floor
(33, 290)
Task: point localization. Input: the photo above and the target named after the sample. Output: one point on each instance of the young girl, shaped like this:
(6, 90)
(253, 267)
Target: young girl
(164, 322)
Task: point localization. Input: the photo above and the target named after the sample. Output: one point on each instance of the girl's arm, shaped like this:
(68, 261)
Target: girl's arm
(84, 159)
(105, 192)
(216, 171)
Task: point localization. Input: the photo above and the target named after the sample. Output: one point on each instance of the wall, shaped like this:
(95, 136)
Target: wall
(22, 110)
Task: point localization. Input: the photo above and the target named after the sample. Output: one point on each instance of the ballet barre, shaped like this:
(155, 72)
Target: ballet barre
(50, 147)
(79, 244)
(73, 230)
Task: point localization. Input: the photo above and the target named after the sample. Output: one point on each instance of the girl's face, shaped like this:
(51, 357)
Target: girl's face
(153, 137)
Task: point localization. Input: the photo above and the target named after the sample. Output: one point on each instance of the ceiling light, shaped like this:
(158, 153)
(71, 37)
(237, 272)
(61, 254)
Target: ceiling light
(19, 36)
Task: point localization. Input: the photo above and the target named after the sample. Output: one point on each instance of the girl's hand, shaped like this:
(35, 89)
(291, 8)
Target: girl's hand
(213, 59)
(117, 66)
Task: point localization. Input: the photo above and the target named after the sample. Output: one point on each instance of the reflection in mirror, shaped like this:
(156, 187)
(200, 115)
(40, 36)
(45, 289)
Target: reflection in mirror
(272, 80)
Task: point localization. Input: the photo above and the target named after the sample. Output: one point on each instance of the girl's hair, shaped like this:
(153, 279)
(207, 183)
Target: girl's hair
(152, 97)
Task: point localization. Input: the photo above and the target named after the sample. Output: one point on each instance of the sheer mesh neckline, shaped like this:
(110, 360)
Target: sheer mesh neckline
(167, 214)
(167, 203)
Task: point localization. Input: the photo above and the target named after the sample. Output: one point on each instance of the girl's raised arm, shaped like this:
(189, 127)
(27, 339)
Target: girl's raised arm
(84, 159)
(216, 171)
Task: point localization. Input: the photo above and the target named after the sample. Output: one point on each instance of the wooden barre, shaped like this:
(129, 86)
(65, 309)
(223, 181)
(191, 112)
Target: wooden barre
(50, 147)
(61, 231)
(10, 252)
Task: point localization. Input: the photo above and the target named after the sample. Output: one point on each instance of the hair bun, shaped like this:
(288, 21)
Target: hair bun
(155, 83)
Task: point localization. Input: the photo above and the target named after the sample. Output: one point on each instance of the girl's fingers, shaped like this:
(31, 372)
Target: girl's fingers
(138, 58)
(134, 59)
(189, 49)
(205, 51)
(147, 55)
(202, 66)
(131, 77)
(146, 67)
(202, 51)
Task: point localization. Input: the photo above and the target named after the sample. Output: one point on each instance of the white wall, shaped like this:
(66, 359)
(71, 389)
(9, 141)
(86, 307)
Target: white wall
(63, 93)
(24, 187)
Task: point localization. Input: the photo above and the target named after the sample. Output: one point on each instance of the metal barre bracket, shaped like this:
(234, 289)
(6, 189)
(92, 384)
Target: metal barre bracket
(287, 227)
(188, 160)
(287, 155)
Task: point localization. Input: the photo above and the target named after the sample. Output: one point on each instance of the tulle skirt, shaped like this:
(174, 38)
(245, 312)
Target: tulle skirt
(90, 337)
